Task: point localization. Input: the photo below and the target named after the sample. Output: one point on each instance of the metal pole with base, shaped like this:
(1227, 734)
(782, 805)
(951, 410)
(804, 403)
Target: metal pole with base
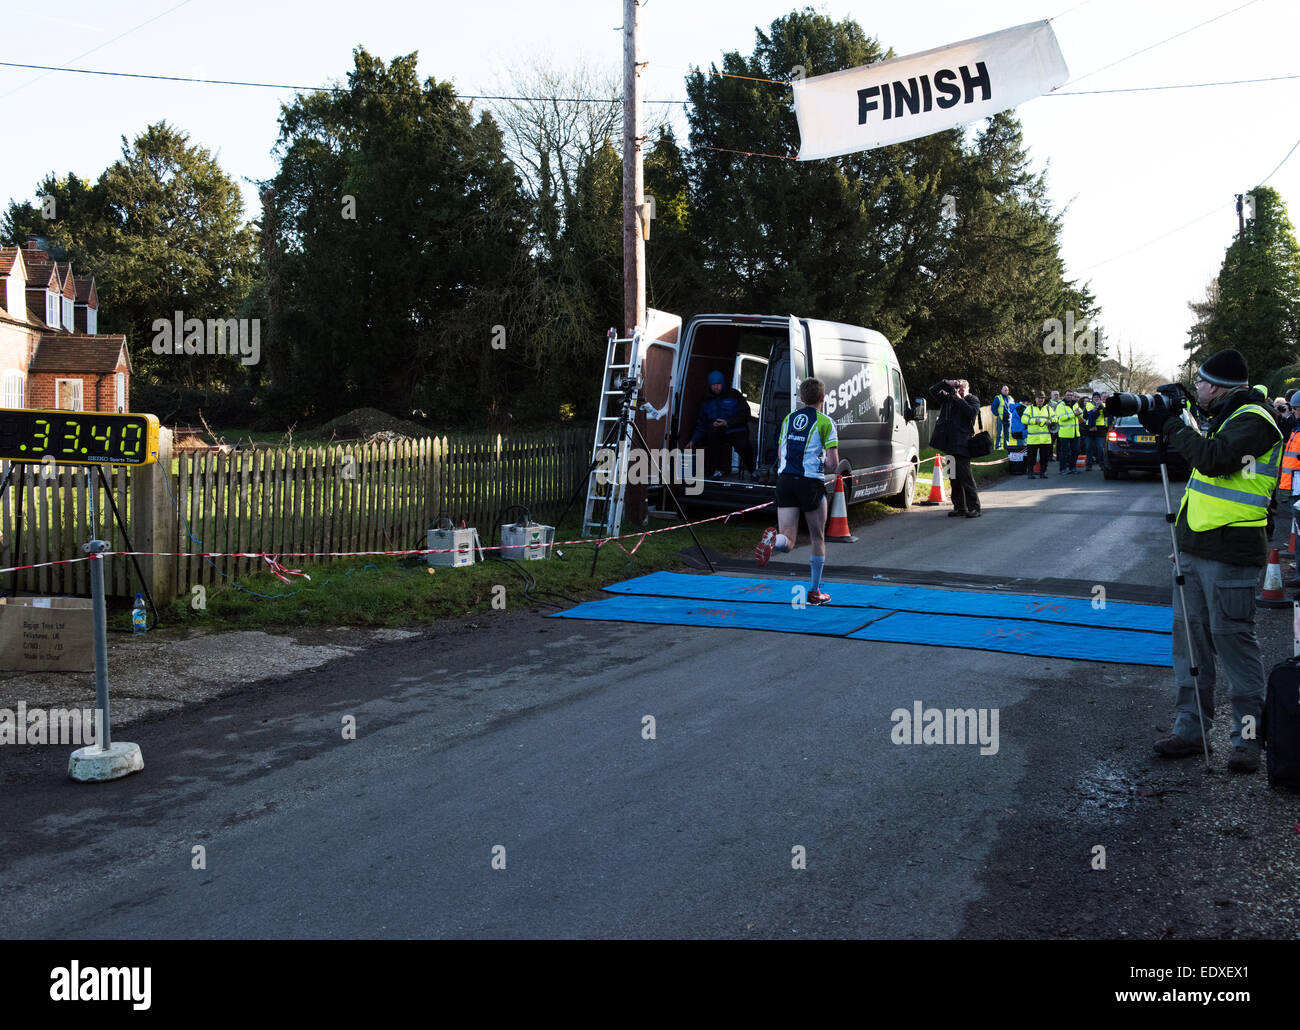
(103, 760)
(1193, 670)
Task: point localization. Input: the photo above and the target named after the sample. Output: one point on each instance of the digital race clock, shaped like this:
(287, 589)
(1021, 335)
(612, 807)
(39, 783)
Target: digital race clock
(78, 437)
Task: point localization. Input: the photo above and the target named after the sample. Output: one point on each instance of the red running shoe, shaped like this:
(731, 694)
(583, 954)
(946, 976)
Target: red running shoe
(818, 597)
(763, 550)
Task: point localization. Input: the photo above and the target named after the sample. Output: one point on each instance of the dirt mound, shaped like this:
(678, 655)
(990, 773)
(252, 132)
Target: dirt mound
(365, 423)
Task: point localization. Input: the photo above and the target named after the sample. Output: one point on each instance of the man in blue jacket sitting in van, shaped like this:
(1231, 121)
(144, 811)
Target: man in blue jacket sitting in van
(722, 425)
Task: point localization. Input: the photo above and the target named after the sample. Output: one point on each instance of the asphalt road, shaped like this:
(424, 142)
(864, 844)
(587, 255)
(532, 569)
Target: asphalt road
(520, 741)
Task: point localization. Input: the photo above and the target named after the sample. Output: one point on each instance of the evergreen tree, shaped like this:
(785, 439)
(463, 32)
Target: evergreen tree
(1257, 305)
(400, 226)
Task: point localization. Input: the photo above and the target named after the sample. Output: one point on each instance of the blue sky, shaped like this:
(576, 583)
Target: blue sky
(1129, 168)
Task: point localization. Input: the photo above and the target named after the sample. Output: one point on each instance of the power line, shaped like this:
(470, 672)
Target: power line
(1151, 242)
(306, 89)
(1181, 85)
(1282, 162)
(1080, 78)
(97, 48)
(1194, 221)
(559, 100)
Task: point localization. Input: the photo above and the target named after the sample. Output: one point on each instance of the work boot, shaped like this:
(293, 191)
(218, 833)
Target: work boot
(1174, 746)
(1244, 759)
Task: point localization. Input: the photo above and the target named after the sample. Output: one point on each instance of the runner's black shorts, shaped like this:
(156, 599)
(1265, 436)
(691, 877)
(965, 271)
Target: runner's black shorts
(800, 492)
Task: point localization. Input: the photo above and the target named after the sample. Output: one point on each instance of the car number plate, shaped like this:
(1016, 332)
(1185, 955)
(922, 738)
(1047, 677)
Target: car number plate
(1144, 439)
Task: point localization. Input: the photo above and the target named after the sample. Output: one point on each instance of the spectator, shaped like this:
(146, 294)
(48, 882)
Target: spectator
(1038, 419)
(1001, 408)
(1067, 420)
(1094, 431)
(723, 424)
(1018, 423)
(1054, 425)
(952, 433)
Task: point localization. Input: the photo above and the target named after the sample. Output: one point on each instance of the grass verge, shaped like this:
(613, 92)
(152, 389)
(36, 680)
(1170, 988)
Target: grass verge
(397, 592)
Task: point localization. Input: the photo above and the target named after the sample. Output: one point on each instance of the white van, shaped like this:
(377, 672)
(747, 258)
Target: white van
(765, 357)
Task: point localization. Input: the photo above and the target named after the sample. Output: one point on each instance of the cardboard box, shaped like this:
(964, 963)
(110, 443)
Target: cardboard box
(47, 634)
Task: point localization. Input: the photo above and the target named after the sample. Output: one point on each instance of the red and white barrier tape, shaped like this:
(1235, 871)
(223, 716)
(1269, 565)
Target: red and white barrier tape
(276, 568)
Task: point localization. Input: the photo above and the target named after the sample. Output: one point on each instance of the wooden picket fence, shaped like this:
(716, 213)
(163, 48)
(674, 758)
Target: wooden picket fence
(55, 514)
(282, 501)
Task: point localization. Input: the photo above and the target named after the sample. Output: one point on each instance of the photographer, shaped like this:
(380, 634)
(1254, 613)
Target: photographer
(952, 433)
(1222, 539)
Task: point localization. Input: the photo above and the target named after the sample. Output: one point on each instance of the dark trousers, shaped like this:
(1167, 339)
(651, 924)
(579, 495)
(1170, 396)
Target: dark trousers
(717, 450)
(1040, 452)
(1067, 448)
(1096, 450)
(964, 495)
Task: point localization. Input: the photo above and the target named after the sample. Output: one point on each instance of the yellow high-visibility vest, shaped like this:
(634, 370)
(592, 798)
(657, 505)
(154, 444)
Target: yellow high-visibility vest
(1068, 421)
(1240, 499)
(1035, 419)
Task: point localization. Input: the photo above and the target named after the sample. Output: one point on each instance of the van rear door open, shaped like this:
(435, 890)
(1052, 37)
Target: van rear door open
(856, 365)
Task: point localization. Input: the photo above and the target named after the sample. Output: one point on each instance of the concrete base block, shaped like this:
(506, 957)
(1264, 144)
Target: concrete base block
(91, 765)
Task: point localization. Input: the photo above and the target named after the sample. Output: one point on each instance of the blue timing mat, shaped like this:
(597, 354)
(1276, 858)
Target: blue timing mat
(1034, 638)
(1117, 615)
(1053, 627)
(685, 611)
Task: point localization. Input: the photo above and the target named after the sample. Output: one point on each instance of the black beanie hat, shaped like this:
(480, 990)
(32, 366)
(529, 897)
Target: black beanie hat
(1227, 368)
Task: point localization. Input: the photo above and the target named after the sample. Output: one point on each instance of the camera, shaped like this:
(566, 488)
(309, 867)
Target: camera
(1168, 400)
(628, 385)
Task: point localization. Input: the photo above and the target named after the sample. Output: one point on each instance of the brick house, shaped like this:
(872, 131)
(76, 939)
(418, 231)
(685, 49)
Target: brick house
(51, 353)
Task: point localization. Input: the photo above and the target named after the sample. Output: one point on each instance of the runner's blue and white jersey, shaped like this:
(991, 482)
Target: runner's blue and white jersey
(806, 435)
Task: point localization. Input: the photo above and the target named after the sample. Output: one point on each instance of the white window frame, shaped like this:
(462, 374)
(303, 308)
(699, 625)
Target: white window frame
(16, 297)
(119, 382)
(73, 386)
(15, 388)
(69, 315)
(92, 320)
(52, 309)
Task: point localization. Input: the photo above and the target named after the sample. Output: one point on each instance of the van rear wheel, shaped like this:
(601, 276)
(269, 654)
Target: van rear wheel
(906, 497)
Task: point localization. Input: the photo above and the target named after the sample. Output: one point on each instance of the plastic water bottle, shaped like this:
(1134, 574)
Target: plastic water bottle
(139, 620)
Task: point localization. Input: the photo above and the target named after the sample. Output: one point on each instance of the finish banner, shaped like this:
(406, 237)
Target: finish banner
(908, 97)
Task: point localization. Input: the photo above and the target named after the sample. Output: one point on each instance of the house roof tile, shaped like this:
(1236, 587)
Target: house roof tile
(86, 292)
(96, 355)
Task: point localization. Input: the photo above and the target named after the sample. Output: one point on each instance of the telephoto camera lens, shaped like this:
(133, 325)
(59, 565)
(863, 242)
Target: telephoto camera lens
(1138, 404)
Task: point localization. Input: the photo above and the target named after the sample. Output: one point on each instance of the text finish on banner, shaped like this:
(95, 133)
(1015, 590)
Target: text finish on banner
(909, 97)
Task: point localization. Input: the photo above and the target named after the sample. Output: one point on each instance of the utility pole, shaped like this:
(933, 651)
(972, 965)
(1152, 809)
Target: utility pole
(633, 178)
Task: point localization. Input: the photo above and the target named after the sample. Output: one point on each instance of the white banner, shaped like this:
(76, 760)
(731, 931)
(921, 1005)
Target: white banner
(907, 97)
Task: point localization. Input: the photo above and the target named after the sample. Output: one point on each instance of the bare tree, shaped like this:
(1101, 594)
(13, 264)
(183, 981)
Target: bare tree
(557, 119)
(1137, 373)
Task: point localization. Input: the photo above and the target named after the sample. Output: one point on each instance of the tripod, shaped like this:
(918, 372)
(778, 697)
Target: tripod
(1179, 580)
(624, 432)
(20, 482)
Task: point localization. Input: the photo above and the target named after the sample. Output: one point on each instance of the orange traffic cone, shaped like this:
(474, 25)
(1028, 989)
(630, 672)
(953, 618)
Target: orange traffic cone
(936, 484)
(1081, 462)
(837, 527)
(1272, 596)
